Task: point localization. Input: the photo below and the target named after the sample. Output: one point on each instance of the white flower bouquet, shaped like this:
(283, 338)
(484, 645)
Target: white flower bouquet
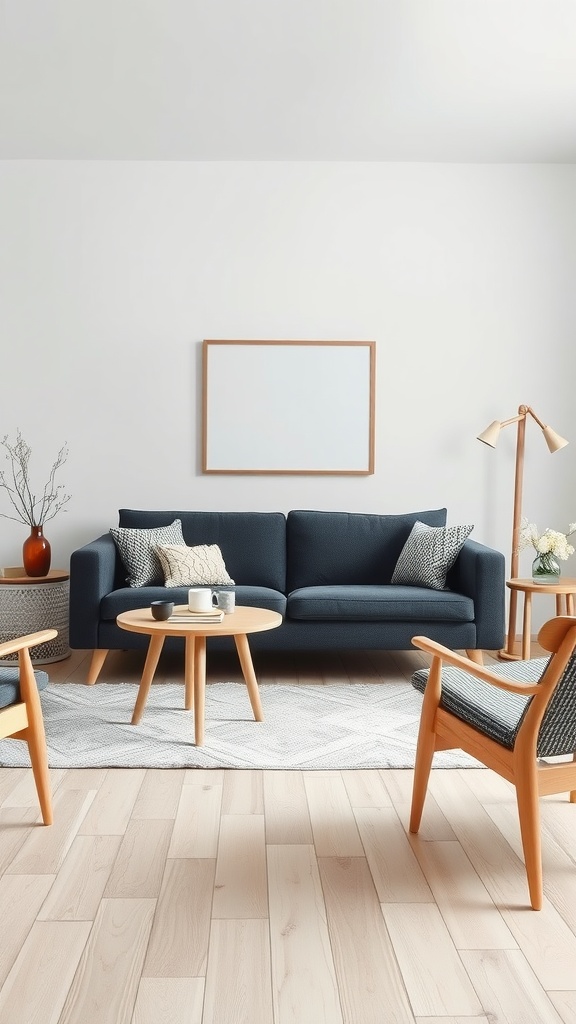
(550, 542)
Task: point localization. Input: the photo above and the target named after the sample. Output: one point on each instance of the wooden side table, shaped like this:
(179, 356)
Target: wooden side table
(31, 603)
(563, 591)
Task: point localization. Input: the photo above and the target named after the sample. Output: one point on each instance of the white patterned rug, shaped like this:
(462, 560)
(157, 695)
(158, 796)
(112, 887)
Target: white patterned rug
(306, 727)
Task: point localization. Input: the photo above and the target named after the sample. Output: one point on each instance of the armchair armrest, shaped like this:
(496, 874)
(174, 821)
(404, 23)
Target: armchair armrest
(445, 655)
(92, 576)
(480, 573)
(25, 642)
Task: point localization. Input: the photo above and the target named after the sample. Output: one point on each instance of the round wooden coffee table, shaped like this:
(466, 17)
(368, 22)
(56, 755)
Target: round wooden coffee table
(242, 621)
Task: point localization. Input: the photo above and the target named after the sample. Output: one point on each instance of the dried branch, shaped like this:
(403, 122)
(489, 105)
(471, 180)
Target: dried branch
(28, 508)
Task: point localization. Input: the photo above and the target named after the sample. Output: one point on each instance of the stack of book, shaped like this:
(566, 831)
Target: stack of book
(184, 615)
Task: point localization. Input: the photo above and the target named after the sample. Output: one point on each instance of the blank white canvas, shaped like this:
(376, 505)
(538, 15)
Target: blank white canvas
(286, 407)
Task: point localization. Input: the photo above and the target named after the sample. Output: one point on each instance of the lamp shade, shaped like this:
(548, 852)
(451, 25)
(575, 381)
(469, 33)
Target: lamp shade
(491, 434)
(553, 440)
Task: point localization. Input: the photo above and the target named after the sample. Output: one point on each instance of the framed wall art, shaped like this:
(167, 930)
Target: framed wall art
(288, 407)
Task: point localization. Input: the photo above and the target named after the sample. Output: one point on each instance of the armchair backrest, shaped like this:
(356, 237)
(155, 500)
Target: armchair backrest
(551, 714)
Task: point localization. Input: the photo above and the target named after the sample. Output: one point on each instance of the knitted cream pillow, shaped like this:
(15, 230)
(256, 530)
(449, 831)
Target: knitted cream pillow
(202, 565)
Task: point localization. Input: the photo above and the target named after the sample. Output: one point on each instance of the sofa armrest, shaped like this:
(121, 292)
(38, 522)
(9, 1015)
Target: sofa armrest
(92, 576)
(479, 573)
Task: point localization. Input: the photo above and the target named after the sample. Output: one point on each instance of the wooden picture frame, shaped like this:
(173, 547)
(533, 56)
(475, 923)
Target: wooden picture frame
(303, 407)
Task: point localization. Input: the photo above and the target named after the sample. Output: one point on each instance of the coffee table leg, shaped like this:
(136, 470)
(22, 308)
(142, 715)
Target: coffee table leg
(189, 672)
(245, 657)
(199, 688)
(154, 649)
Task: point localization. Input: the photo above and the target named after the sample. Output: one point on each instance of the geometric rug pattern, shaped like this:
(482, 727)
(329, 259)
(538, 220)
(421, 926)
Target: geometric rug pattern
(306, 727)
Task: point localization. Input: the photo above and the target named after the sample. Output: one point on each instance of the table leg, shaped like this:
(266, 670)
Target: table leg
(245, 657)
(570, 604)
(508, 652)
(154, 650)
(559, 605)
(189, 672)
(527, 626)
(98, 659)
(199, 688)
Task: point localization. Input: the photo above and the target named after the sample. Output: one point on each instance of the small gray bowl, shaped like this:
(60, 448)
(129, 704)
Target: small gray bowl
(162, 610)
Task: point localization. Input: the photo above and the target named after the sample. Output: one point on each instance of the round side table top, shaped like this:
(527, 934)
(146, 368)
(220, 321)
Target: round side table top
(16, 577)
(565, 585)
(242, 620)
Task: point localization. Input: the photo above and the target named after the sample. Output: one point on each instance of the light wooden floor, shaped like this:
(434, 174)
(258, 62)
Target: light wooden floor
(250, 897)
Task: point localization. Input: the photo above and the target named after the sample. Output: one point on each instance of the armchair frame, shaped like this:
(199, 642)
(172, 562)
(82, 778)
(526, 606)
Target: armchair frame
(532, 778)
(23, 720)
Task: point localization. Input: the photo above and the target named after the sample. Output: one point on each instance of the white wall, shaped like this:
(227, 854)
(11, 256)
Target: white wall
(112, 273)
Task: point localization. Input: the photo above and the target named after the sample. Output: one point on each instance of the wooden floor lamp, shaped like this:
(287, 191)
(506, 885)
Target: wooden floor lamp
(490, 437)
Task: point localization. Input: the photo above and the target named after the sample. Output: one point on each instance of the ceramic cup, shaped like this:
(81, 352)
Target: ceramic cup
(162, 610)
(200, 599)
(224, 599)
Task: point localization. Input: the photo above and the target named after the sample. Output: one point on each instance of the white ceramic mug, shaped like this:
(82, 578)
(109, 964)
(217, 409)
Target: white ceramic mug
(200, 599)
(224, 599)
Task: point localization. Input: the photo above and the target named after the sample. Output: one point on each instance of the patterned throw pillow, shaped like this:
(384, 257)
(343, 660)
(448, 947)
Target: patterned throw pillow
(138, 551)
(192, 567)
(428, 554)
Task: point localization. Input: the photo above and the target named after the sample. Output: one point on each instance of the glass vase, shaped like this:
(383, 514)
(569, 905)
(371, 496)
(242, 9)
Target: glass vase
(545, 568)
(36, 553)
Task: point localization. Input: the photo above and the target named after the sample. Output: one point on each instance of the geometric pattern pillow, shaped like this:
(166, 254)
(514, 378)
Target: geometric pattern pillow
(428, 554)
(137, 550)
(202, 565)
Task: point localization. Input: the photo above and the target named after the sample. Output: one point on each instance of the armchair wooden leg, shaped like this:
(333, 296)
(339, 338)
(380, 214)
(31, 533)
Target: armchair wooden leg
(529, 813)
(426, 744)
(39, 760)
(35, 736)
(424, 755)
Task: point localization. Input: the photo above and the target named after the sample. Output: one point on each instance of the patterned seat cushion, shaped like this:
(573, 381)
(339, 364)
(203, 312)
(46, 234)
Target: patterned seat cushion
(495, 713)
(10, 687)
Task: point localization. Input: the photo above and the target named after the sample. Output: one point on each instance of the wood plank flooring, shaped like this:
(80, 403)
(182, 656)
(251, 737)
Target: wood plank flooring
(255, 897)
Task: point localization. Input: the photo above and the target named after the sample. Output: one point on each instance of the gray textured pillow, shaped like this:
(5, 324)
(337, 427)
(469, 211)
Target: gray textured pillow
(138, 551)
(428, 554)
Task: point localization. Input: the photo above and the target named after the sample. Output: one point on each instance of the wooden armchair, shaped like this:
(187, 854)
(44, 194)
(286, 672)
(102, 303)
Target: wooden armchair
(21, 712)
(507, 724)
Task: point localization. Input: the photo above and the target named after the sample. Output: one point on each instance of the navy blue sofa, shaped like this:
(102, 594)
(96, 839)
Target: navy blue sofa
(327, 573)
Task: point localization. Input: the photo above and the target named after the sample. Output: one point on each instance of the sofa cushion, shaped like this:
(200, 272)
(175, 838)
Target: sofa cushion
(335, 548)
(137, 549)
(379, 603)
(253, 544)
(428, 555)
(202, 565)
(128, 599)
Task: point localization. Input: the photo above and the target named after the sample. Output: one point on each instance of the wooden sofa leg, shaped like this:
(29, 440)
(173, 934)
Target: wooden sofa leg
(98, 659)
(476, 656)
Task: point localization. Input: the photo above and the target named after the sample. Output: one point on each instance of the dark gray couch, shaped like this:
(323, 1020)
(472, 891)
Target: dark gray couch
(327, 573)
